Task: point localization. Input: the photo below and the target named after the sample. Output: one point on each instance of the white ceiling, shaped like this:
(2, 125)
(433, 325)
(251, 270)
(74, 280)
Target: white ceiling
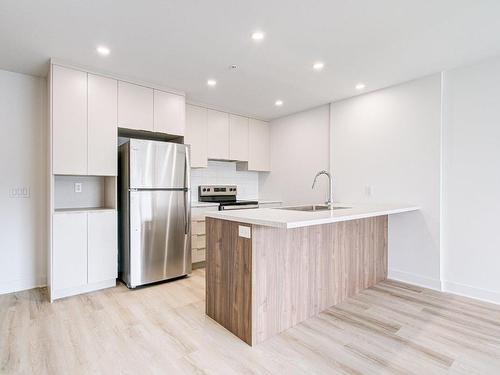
(179, 44)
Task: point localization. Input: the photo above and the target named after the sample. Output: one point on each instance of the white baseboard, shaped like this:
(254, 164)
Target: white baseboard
(472, 292)
(415, 279)
(22, 284)
(61, 293)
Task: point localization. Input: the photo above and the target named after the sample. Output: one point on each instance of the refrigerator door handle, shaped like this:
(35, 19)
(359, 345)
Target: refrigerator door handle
(187, 210)
(187, 193)
(187, 168)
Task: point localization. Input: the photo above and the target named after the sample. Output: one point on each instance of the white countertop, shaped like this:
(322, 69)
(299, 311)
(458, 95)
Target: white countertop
(279, 218)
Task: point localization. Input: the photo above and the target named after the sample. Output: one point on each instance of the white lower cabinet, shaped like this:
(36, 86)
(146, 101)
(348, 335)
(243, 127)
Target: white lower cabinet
(102, 246)
(84, 252)
(69, 254)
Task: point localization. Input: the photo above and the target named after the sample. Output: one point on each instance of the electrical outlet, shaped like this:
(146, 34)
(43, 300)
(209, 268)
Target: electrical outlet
(369, 190)
(78, 187)
(19, 192)
(244, 231)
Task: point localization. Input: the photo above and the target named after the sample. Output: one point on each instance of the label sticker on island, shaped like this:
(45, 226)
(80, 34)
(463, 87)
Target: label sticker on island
(244, 231)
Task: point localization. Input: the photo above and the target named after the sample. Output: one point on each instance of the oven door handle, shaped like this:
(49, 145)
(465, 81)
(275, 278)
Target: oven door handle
(238, 207)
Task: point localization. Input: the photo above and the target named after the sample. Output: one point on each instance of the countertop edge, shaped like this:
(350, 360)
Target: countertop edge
(309, 222)
(299, 224)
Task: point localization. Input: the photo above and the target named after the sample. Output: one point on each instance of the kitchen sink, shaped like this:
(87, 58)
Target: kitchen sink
(311, 208)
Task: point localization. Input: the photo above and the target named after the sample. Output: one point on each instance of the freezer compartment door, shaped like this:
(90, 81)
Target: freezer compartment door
(160, 236)
(158, 165)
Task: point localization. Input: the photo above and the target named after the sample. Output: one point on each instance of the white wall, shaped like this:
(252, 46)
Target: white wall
(471, 195)
(22, 164)
(224, 173)
(299, 149)
(389, 140)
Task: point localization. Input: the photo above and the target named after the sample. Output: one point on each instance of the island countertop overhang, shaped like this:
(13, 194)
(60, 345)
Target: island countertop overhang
(281, 218)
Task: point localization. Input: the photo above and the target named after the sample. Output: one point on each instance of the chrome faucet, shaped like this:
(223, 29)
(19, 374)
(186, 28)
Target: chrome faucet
(329, 202)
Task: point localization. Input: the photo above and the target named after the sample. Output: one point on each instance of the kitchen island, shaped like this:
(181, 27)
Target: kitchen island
(269, 269)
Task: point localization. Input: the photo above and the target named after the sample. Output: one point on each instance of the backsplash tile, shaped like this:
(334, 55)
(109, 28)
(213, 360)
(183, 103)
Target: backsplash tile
(225, 173)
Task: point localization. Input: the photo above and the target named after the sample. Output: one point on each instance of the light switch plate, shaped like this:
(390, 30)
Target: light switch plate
(19, 192)
(244, 231)
(78, 187)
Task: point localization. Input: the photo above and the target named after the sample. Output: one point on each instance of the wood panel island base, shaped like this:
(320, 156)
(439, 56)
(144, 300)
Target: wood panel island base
(261, 280)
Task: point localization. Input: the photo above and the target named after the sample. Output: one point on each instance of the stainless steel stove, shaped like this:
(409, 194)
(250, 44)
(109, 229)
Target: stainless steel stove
(225, 195)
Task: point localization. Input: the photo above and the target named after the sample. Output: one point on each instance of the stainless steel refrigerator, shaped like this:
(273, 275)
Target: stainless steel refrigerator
(154, 211)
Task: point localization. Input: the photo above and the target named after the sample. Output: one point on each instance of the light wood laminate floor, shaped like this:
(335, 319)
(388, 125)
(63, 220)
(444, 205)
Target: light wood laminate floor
(391, 328)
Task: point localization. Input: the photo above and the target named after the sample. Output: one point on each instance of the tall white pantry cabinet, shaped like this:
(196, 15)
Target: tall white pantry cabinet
(83, 137)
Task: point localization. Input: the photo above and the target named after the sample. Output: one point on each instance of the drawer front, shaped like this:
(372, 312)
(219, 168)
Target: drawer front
(198, 242)
(198, 227)
(198, 255)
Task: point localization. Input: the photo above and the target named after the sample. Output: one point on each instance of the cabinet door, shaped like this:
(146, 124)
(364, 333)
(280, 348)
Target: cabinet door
(169, 113)
(196, 135)
(238, 138)
(135, 106)
(218, 135)
(102, 246)
(102, 126)
(69, 257)
(69, 121)
(258, 152)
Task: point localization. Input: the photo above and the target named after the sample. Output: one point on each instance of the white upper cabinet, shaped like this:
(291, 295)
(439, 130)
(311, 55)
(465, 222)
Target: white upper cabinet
(258, 152)
(102, 246)
(169, 113)
(223, 136)
(69, 121)
(135, 106)
(196, 135)
(218, 134)
(238, 138)
(102, 126)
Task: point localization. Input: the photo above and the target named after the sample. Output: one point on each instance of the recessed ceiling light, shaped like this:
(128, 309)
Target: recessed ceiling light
(278, 103)
(103, 50)
(318, 65)
(257, 35)
(360, 86)
(211, 82)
